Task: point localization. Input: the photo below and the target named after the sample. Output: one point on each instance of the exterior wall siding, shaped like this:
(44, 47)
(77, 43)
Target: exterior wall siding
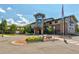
(69, 26)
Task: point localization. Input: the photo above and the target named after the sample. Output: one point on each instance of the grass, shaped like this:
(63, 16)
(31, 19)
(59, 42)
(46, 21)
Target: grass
(9, 34)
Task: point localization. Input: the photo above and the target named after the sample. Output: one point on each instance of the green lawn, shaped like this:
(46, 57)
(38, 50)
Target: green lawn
(9, 34)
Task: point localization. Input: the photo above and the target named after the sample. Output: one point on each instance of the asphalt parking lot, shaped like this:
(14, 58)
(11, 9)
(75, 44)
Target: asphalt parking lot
(49, 47)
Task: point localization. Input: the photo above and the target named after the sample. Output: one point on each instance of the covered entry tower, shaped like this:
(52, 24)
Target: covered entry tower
(39, 25)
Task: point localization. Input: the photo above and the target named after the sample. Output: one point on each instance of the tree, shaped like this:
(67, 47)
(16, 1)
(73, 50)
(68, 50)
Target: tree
(13, 29)
(0, 28)
(3, 26)
(77, 29)
(28, 29)
(21, 30)
(49, 30)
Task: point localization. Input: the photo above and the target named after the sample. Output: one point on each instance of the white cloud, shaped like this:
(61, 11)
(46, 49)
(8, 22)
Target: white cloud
(10, 21)
(23, 20)
(20, 15)
(9, 8)
(2, 10)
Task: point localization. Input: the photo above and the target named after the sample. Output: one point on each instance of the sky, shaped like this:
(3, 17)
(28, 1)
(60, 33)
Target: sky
(22, 14)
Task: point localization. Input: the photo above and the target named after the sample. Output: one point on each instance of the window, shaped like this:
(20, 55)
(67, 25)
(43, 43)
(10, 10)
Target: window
(70, 28)
(50, 23)
(70, 24)
(39, 22)
(56, 21)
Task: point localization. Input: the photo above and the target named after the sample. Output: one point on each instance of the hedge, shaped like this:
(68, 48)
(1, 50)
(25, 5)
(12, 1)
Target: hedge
(34, 39)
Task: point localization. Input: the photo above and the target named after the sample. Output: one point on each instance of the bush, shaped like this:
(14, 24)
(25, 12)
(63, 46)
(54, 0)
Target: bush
(28, 29)
(49, 30)
(28, 33)
(77, 29)
(34, 39)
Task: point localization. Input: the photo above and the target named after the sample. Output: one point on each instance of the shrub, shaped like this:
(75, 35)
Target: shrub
(77, 29)
(28, 29)
(28, 33)
(34, 39)
(49, 30)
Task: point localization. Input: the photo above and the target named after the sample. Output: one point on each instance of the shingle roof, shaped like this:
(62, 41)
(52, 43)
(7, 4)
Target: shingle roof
(39, 14)
(52, 19)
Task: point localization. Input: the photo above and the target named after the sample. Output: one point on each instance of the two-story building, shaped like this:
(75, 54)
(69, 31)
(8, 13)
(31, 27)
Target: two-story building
(65, 25)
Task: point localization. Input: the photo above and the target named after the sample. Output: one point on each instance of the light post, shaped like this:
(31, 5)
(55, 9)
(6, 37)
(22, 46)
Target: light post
(63, 24)
(64, 31)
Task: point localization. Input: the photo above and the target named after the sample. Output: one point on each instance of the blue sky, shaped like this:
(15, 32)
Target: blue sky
(23, 13)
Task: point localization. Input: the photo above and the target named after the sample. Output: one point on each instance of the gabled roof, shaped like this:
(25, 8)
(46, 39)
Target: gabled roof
(49, 19)
(52, 19)
(67, 17)
(72, 17)
(39, 14)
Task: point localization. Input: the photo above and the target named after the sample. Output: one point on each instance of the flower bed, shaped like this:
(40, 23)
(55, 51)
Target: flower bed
(34, 39)
(18, 42)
